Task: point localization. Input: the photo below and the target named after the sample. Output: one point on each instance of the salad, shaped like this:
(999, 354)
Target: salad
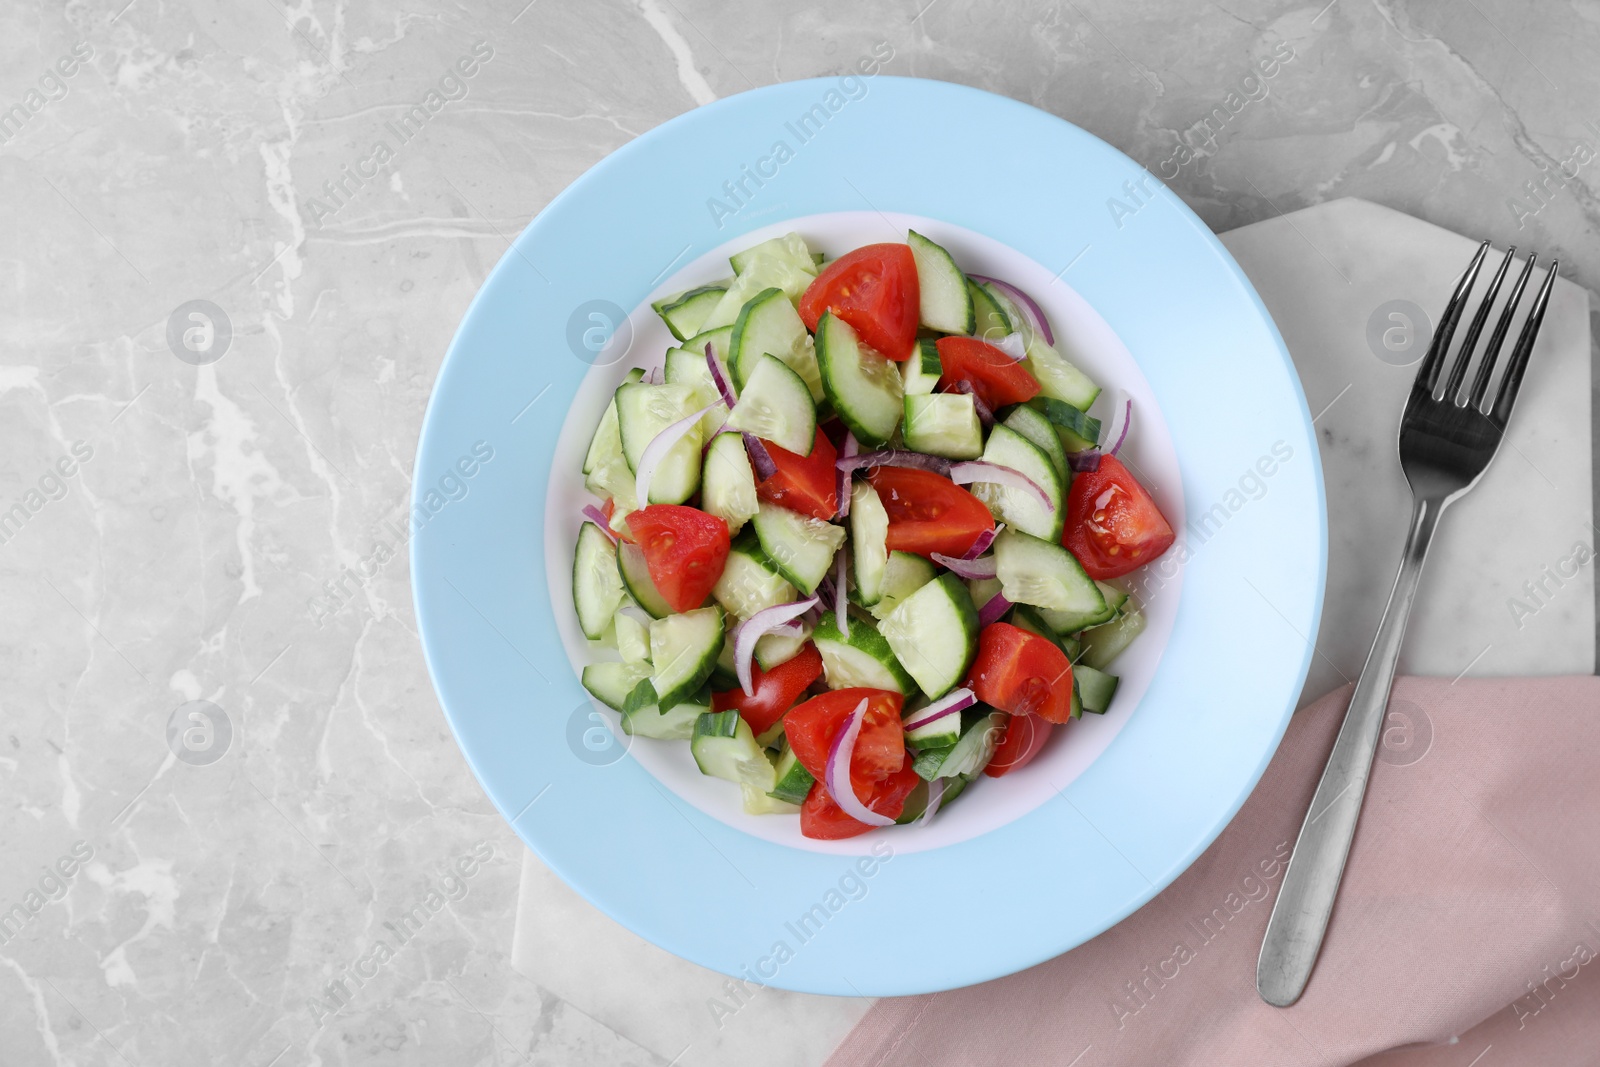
(859, 538)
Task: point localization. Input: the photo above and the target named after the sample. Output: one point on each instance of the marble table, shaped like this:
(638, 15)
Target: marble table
(227, 780)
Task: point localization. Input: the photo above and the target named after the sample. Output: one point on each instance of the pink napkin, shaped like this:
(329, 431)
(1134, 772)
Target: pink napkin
(1467, 932)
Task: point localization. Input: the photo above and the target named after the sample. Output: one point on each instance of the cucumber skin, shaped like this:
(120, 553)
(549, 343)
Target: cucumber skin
(830, 334)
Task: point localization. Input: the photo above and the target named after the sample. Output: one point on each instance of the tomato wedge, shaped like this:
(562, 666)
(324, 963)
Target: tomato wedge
(1112, 525)
(823, 820)
(996, 378)
(1021, 673)
(880, 746)
(875, 290)
(685, 550)
(928, 513)
(775, 690)
(1024, 736)
(807, 484)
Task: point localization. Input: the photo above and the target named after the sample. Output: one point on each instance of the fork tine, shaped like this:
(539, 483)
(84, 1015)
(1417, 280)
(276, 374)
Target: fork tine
(1519, 355)
(1458, 373)
(1428, 373)
(1480, 384)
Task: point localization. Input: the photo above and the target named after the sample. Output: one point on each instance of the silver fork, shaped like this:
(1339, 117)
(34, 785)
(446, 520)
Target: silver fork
(1446, 443)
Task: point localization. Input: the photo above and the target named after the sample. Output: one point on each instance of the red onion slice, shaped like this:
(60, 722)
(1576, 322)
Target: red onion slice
(752, 629)
(1121, 419)
(952, 702)
(1087, 460)
(841, 603)
(996, 606)
(978, 471)
(985, 415)
(598, 517)
(985, 539)
(967, 568)
(848, 450)
(657, 449)
(836, 776)
(1025, 303)
(719, 379)
(760, 459)
(935, 795)
(894, 457)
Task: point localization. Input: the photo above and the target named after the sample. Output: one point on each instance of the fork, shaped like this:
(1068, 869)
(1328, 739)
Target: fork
(1446, 443)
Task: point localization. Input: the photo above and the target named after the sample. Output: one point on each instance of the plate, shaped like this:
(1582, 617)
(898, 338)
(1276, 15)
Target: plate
(1144, 298)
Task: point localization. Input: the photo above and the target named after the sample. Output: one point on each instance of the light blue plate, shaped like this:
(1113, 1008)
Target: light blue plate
(1183, 757)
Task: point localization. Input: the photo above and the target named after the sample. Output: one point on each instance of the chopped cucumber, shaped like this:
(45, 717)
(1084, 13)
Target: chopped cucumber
(1027, 617)
(761, 271)
(720, 340)
(675, 724)
(725, 674)
(750, 581)
(794, 781)
(1033, 425)
(940, 733)
(1058, 378)
(775, 648)
(643, 411)
(1021, 509)
(636, 576)
(758, 803)
(769, 325)
(945, 304)
(1105, 643)
(727, 482)
(596, 584)
(981, 728)
(803, 547)
(1076, 430)
(633, 637)
(943, 424)
(611, 682)
(903, 575)
(917, 799)
(1042, 573)
(723, 747)
(990, 320)
(983, 590)
(686, 312)
(791, 247)
(1095, 688)
(776, 406)
(683, 652)
(684, 366)
(863, 386)
(934, 634)
(920, 373)
(862, 659)
(1116, 597)
(606, 444)
(869, 530)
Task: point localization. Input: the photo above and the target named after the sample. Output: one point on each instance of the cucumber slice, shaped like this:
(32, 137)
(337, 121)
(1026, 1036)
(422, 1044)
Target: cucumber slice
(723, 747)
(596, 583)
(1105, 643)
(981, 729)
(794, 781)
(903, 575)
(983, 590)
(917, 799)
(863, 387)
(633, 638)
(675, 724)
(775, 648)
(1059, 379)
(727, 483)
(990, 320)
(934, 634)
(685, 366)
(750, 581)
(606, 444)
(869, 530)
(1026, 617)
(1042, 573)
(643, 411)
(943, 424)
(791, 246)
(1033, 425)
(945, 303)
(763, 270)
(686, 312)
(683, 651)
(724, 675)
(758, 803)
(1020, 509)
(940, 733)
(862, 659)
(1076, 430)
(769, 325)
(1095, 688)
(611, 682)
(1116, 597)
(720, 340)
(636, 577)
(920, 373)
(803, 547)
(776, 406)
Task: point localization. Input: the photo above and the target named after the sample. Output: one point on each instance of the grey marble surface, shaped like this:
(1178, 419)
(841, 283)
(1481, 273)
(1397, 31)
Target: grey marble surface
(333, 887)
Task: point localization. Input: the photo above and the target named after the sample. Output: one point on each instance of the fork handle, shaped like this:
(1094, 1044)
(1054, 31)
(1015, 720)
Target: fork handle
(1311, 882)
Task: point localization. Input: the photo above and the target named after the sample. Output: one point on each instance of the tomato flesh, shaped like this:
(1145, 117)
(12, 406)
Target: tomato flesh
(880, 746)
(875, 290)
(775, 690)
(1024, 736)
(822, 819)
(1022, 673)
(807, 484)
(928, 513)
(996, 378)
(685, 550)
(1113, 526)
